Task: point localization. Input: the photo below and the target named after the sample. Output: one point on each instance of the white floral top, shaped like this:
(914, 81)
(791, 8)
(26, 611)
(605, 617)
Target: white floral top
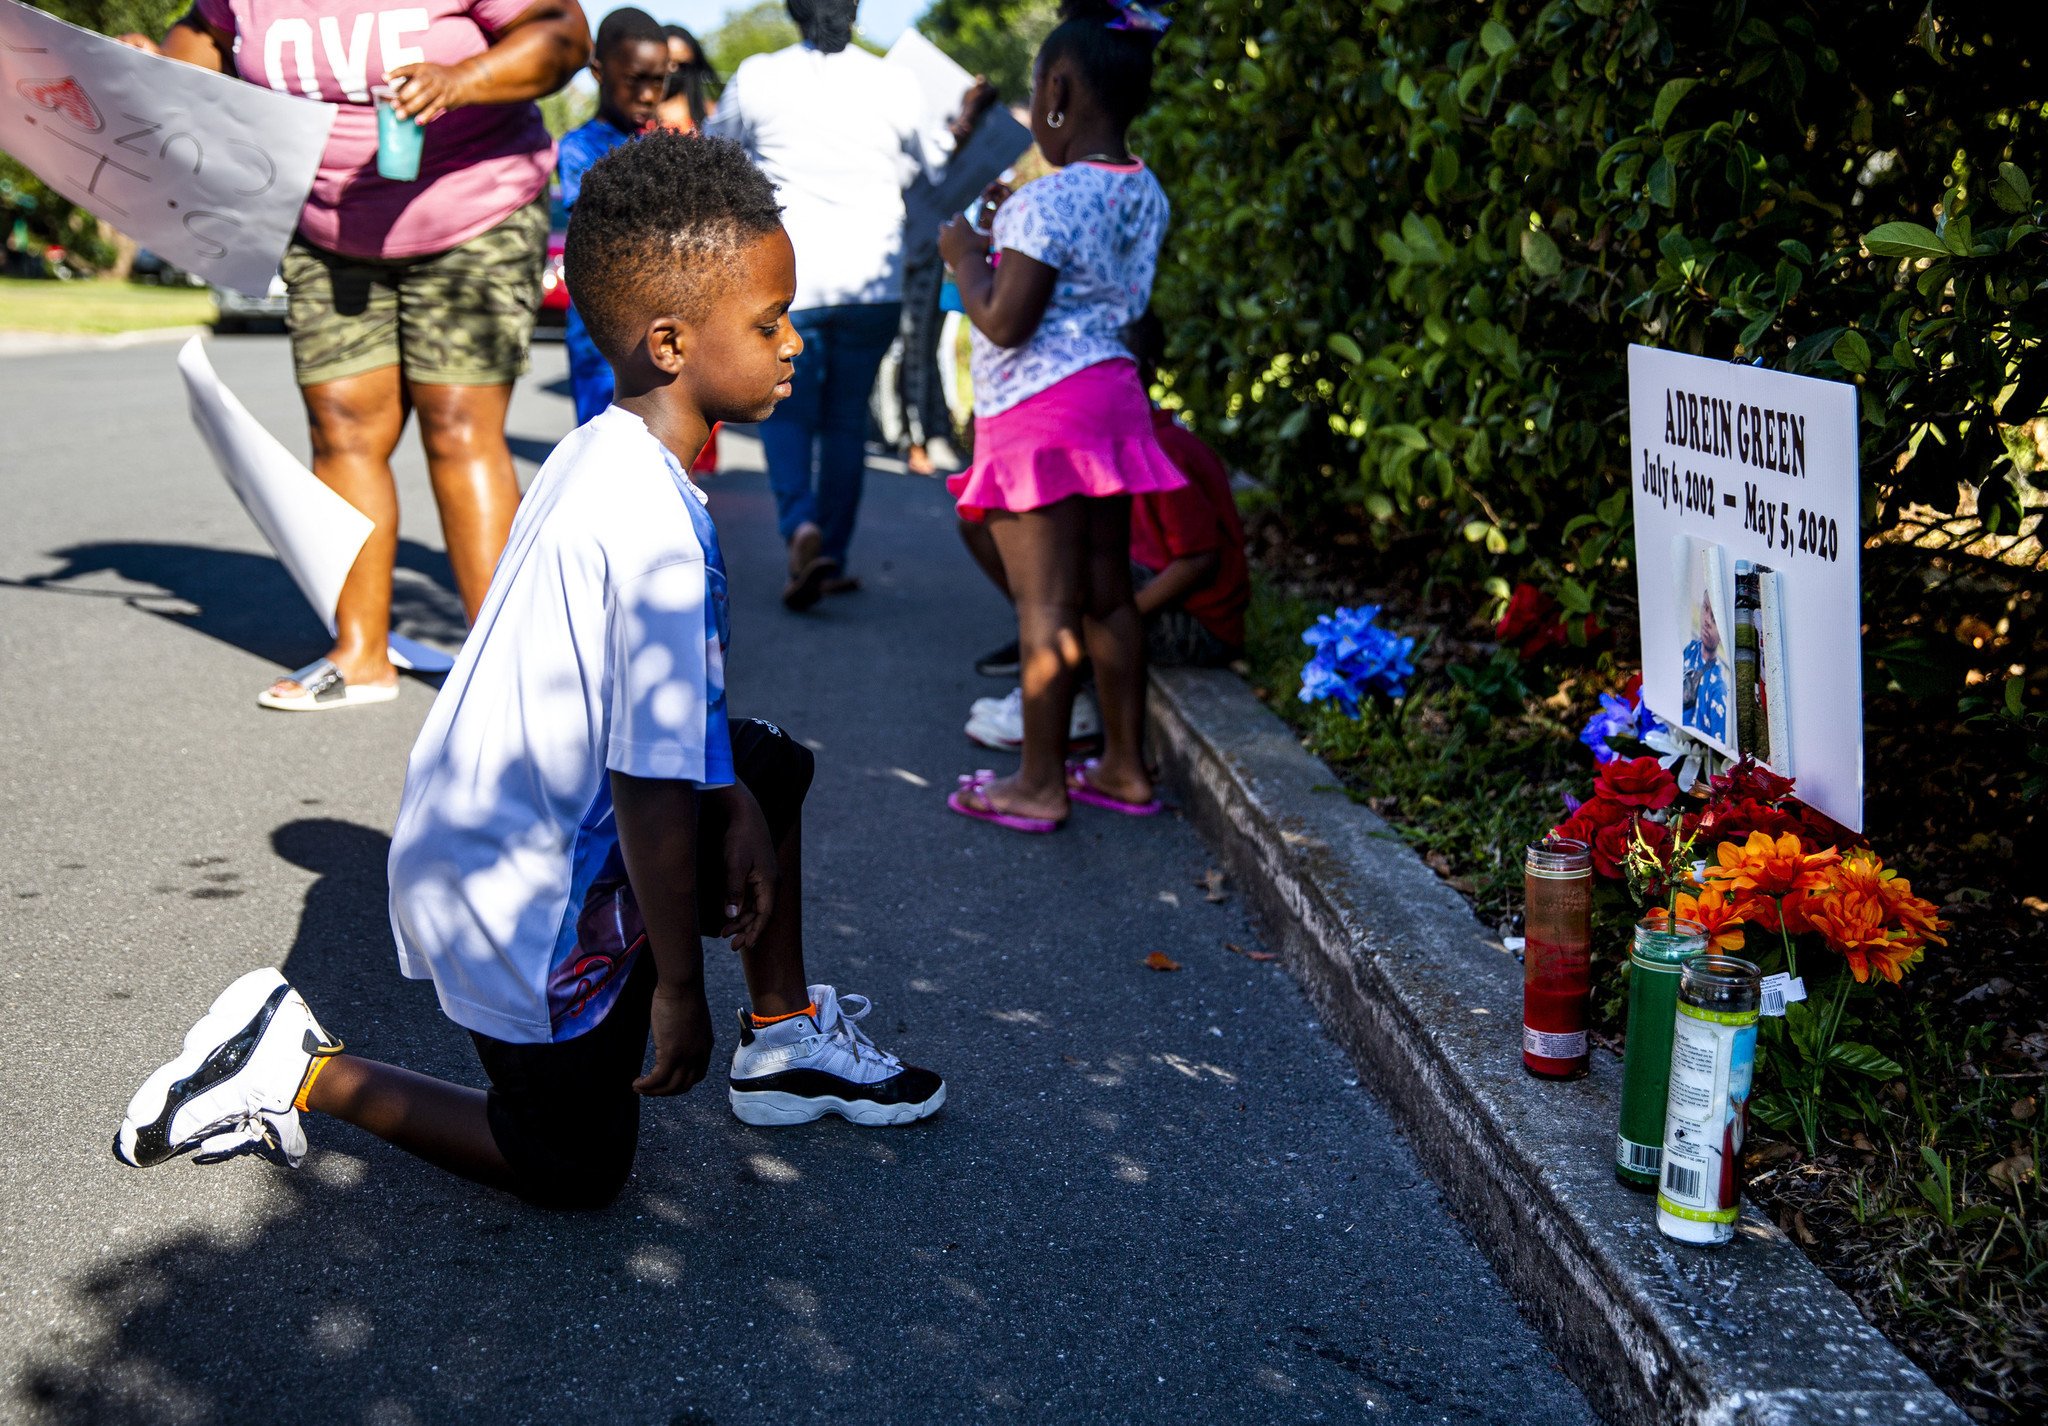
(1100, 225)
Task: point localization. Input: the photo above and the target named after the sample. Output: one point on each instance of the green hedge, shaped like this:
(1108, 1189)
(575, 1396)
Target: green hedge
(1413, 239)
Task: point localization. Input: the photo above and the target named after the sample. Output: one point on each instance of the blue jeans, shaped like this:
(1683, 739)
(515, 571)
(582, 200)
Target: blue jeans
(590, 375)
(816, 442)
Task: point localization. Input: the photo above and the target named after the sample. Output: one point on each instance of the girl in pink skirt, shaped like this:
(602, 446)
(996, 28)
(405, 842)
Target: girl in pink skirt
(1063, 430)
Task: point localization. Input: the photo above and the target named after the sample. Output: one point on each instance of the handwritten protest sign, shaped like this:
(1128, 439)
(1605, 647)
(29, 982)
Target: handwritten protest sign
(204, 169)
(1746, 499)
(316, 533)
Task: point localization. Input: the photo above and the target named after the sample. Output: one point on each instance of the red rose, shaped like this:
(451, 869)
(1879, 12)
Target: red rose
(1530, 622)
(1636, 782)
(1632, 691)
(1598, 812)
(1750, 779)
(1575, 829)
(1658, 835)
(1734, 821)
(1610, 845)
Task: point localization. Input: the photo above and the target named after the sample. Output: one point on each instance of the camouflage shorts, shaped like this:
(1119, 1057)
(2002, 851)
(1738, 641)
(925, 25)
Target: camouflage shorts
(456, 318)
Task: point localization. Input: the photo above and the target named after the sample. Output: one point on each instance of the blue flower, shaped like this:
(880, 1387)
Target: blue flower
(1354, 658)
(1617, 718)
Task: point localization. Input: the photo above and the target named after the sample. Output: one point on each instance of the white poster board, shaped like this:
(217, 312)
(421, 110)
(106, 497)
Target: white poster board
(203, 169)
(1748, 568)
(316, 533)
(997, 142)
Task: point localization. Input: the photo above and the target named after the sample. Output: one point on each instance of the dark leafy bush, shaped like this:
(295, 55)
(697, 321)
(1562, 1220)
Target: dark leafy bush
(1413, 240)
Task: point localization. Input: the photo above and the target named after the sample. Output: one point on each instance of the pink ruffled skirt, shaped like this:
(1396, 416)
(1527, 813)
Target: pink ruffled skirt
(1089, 434)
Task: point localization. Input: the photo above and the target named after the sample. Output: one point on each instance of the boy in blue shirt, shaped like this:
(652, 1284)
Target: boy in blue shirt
(578, 810)
(629, 61)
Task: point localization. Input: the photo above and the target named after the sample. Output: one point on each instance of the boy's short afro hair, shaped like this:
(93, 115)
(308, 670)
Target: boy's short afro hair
(657, 230)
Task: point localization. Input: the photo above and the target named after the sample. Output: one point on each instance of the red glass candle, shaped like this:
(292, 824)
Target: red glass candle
(1557, 981)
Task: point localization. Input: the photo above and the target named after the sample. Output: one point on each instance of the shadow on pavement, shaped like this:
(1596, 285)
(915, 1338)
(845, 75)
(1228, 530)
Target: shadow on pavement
(248, 600)
(373, 1288)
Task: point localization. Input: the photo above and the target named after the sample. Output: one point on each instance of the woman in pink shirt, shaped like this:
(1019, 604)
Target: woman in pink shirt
(407, 296)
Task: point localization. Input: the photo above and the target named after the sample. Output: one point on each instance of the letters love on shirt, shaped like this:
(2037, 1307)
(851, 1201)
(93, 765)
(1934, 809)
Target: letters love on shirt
(293, 44)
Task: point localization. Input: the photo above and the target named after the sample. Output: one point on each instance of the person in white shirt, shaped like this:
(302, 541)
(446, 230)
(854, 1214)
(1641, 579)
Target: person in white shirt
(840, 135)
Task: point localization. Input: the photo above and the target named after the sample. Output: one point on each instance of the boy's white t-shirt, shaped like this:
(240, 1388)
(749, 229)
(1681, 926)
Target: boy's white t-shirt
(1101, 225)
(600, 647)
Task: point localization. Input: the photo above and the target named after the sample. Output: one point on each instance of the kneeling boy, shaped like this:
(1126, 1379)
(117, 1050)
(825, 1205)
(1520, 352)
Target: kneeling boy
(576, 811)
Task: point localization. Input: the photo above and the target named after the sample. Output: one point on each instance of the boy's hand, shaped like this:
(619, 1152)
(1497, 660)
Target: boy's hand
(751, 869)
(681, 1021)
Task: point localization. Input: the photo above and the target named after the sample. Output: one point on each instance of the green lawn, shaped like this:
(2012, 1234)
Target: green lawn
(29, 305)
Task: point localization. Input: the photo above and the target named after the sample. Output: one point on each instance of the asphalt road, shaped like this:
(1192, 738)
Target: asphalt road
(1151, 1196)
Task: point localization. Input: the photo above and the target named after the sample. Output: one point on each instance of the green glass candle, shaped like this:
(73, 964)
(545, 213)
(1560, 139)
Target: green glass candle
(1654, 963)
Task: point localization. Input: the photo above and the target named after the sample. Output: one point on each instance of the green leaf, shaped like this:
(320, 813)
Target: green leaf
(1296, 422)
(1853, 353)
(2015, 694)
(1495, 38)
(1662, 184)
(2012, 191)
(1540, 254)
(1864, 1059)
(1667, 100)
(1904, 240)
(1345, 346)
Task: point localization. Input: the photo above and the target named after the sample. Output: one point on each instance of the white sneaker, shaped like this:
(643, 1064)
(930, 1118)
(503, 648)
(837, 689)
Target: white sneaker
(999, 722)
(805, 1067)
(230, 1090)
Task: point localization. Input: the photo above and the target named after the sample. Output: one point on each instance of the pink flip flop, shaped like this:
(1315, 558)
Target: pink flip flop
(970, 799)
(1080, 789)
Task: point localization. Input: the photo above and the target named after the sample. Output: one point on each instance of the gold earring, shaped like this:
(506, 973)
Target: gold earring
(1054, 118)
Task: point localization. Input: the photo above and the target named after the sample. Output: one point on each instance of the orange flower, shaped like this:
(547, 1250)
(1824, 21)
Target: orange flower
(1912, 914)
(1854, 921)
(1768, 866)
(1713, 912)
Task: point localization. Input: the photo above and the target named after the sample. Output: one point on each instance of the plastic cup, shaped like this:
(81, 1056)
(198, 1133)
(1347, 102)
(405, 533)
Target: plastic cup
(399, 140)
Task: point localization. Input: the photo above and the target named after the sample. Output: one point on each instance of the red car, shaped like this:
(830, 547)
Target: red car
(554, 292)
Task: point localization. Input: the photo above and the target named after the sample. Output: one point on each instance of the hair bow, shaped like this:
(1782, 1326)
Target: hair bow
(1133, 16)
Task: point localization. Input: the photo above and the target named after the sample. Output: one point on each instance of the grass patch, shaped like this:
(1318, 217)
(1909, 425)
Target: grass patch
(86, 306)
(1461, 779)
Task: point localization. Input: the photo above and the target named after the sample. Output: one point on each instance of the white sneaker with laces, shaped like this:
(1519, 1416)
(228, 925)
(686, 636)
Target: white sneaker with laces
(999, 722)
(808, 1066)
(230, 1090)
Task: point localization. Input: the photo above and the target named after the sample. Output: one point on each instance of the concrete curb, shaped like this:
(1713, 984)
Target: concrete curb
(1429, 1006)
(18, 343)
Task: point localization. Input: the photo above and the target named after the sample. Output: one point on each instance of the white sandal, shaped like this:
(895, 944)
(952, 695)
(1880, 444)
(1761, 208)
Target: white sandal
(322, 689)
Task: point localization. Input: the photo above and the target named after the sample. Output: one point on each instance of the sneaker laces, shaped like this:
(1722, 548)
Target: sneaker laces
(252, 1132)
(839, 1019)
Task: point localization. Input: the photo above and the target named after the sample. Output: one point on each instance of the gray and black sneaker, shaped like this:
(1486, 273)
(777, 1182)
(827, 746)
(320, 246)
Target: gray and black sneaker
(808, 1066)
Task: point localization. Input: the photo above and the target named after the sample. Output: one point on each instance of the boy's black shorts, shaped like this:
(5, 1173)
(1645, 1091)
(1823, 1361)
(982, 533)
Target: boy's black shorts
(564, 1114)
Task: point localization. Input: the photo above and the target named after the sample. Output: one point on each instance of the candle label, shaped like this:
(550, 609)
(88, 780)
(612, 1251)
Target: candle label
(1712, 1055)
(1553, 1046)
(1644, 1160)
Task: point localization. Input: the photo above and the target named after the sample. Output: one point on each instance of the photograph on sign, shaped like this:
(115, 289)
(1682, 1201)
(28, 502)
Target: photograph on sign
(1705, 708)
(1747, 506)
